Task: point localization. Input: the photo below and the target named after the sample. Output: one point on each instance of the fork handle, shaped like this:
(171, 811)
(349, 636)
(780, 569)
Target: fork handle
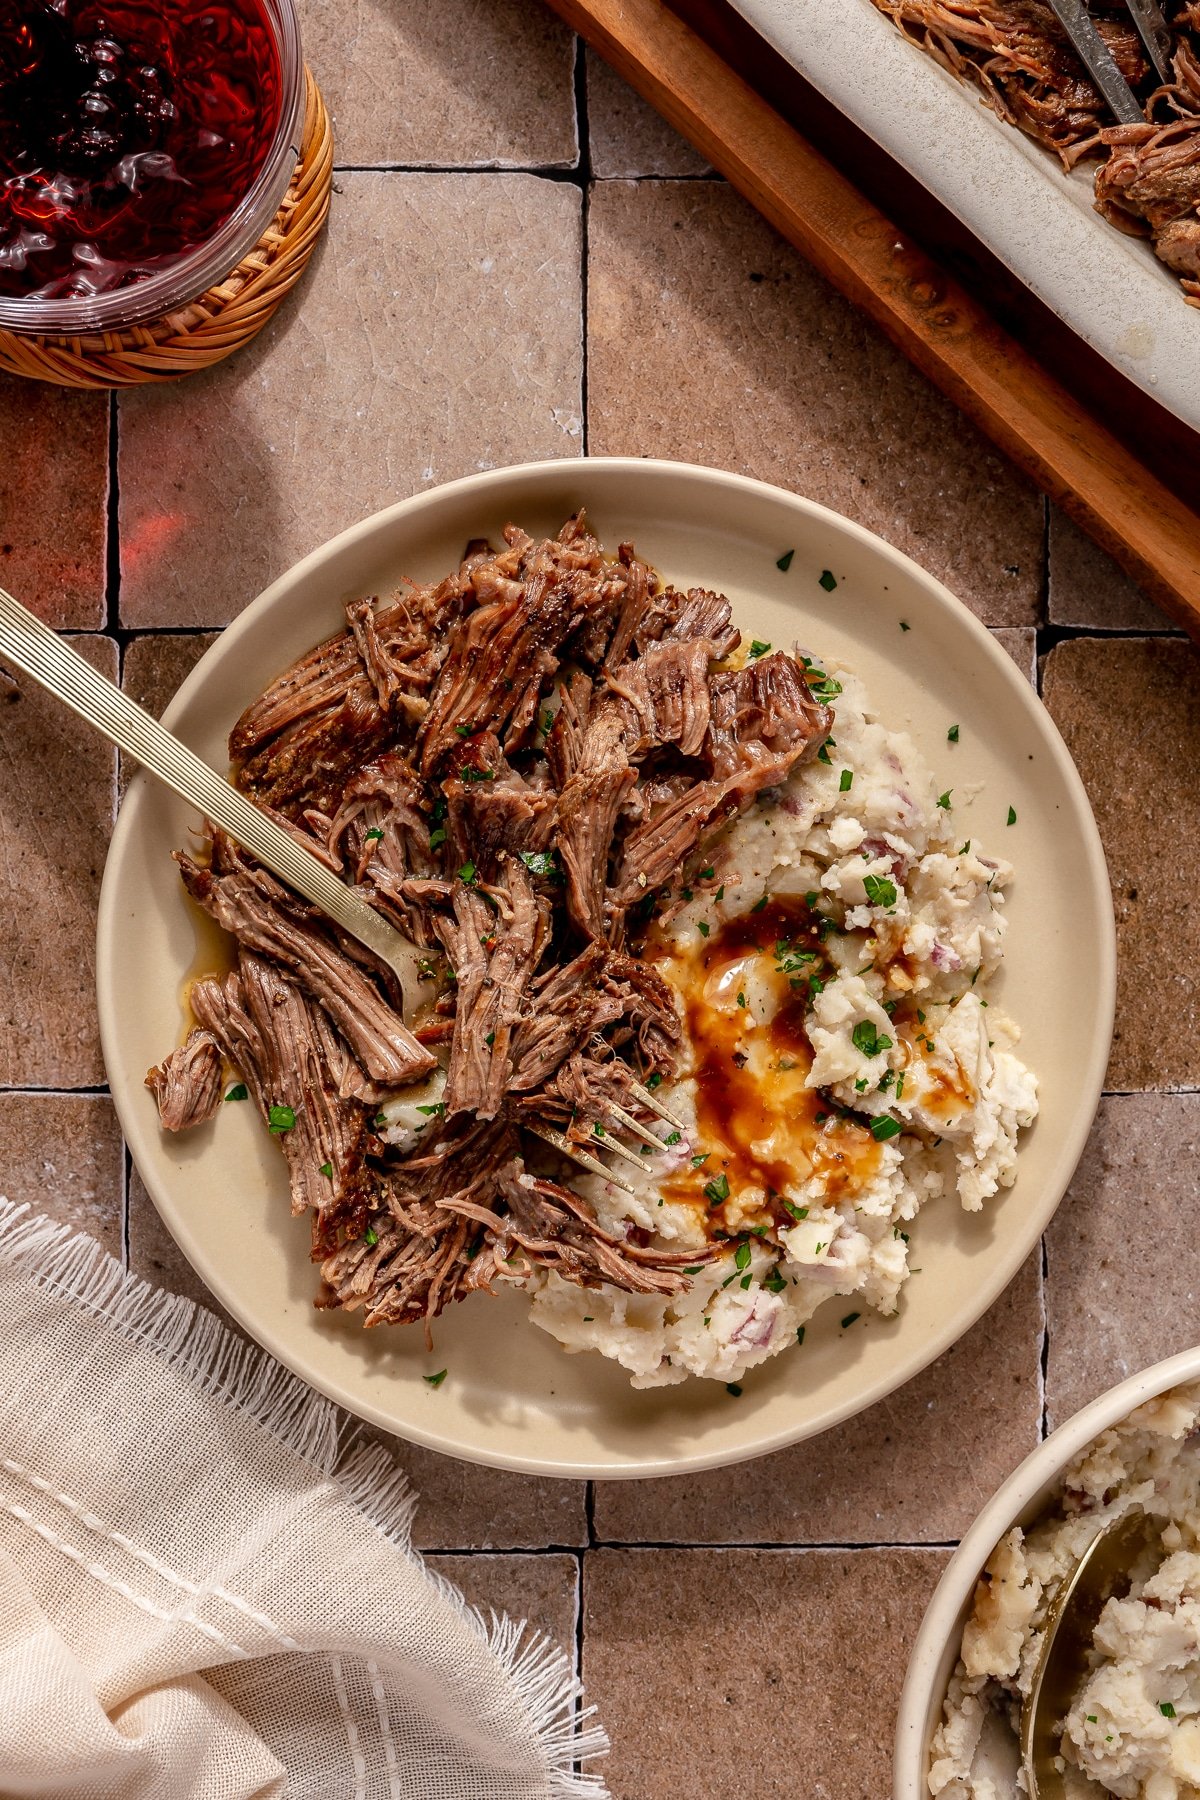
(37, 651)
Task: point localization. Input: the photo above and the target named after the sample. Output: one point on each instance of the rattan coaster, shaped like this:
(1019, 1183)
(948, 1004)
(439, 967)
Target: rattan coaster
(221, 320)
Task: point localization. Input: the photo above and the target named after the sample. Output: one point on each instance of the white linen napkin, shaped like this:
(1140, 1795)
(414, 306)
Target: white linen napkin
(207, 1590)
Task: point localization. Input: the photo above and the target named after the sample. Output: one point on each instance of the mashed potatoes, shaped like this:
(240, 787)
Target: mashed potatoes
(1133, 1728)
(831, 957)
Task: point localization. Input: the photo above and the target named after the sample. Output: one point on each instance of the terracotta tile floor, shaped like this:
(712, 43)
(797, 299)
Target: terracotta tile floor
(478, 280)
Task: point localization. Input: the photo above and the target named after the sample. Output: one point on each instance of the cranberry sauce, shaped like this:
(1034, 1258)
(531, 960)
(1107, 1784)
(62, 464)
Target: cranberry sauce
(129, 131)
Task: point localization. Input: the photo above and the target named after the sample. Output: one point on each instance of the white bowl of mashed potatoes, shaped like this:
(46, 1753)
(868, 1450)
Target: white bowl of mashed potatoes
(1133, 1728)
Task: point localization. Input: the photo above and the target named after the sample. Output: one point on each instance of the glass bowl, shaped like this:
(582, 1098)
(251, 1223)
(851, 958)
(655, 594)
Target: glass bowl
(187, 276)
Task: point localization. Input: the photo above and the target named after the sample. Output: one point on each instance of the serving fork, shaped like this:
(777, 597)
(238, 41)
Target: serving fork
(31, 646)
(1094, 53)
(1103, 1569)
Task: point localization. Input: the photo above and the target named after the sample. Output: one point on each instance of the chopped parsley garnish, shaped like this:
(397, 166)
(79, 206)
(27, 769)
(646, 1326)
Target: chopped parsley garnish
(758, 648)
(741, 1257)
(944, 800)
(370, 1237)
(828, 580)
(696, 1269)
(774, 1282)
(904, 625)
(699, 1161)
(884, 1128)
(707, 874)
(784, 562)
(490, 1039)
(463, 730)
(1166, 1709)
(741, 999)
(797, 1212)
(865, 1039)
(238, 1091)
(1012, 815)
(717, 1191)
(734, 1388)
(720, 893)
(327, 1171)
(952, 735)
(846, 781)
(281, 1118)
(437, 837)
(920, 1017)
(467, 873)
(547, 721)
(879, 890)
(702, 927)
(799, 1334)
(652, 1081)
(965, 848)
(759, 904)
(673, 1139)
(374, 833)
(849, 1320)
(435, 1380)
(823, 752)
(431, 1111)
(861, 1085)
(540, 862)
(822, 686)
(789, 959)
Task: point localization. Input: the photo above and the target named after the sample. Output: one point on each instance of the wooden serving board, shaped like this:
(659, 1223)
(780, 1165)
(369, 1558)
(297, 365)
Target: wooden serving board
(921, 277)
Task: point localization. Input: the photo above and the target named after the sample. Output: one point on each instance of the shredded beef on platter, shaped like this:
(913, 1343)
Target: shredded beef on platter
(1017, 54)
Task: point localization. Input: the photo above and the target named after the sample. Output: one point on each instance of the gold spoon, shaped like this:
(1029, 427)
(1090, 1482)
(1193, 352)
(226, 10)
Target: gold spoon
(1074, 1613)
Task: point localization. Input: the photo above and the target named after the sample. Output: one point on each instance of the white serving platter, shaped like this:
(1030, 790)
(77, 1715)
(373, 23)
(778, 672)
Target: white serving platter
(1010, 192)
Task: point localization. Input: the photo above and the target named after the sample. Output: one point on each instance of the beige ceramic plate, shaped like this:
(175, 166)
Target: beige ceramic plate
(511, 1396)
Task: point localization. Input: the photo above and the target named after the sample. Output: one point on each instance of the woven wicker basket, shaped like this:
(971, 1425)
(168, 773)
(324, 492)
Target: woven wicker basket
(221, 320)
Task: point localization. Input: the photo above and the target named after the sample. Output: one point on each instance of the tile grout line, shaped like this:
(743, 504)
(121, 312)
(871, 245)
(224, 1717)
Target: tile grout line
(563, 173)
(581, 1552)
(584, 140)
(112, 629)
(112, 534)
(580, 1698)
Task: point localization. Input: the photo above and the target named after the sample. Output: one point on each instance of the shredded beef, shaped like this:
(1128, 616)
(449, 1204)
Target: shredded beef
(187, 1083)
(259, 912)
(507, 764)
